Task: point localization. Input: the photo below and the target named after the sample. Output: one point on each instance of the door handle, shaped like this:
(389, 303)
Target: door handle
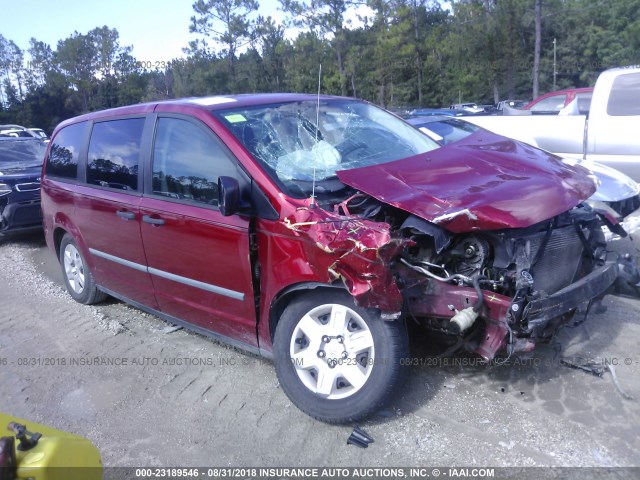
(152, 220)
(126, 215)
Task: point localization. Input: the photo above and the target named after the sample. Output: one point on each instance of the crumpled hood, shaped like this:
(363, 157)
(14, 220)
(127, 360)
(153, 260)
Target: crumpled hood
(483, 182)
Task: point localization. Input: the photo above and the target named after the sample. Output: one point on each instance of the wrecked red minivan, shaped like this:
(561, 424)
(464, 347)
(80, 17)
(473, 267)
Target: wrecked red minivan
(310, 229)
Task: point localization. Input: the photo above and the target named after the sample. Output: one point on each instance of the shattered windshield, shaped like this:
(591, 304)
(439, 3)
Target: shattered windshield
(297, 140)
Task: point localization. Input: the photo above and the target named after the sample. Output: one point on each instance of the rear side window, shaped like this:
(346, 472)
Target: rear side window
(65, 150)
(114, 152)
(584, 102)
(625, 96)
(187, 162)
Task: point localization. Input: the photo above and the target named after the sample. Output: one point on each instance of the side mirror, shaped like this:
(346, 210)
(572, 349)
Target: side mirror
(228, 195)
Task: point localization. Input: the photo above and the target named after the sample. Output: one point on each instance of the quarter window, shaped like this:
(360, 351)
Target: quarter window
(584, 102)
(114, 154)
(187, 162)
(64, 152)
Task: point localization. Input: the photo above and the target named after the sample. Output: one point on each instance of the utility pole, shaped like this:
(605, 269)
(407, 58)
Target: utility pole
(555, 71)
(537, 42)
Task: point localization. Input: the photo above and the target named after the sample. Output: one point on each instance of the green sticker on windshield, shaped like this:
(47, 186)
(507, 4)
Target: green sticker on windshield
(235, 118)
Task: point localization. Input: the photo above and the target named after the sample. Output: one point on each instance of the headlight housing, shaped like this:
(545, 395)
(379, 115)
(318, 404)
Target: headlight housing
(4, 189)
(598, 205)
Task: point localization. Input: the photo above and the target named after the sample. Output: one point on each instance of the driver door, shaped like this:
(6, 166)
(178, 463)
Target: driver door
(198, 259)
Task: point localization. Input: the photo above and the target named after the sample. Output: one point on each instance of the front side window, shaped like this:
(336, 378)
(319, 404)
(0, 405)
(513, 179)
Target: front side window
(300, 141)
(625, 96)
(64, 152)
(187, 162)
(114, 154)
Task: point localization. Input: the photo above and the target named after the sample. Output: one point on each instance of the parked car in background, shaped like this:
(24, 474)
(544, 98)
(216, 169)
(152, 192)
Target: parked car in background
(425, 112)
(441, 130)
(511, 104)
(616, 190)
(489, 109)
(16, 133)
(312, 229)
(39, 133)
(20, 171)
(467, 107)
(22, 132)
(551, 103)
(608, 135)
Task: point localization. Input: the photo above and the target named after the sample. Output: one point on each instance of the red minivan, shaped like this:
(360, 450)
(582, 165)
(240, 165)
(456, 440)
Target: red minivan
(313, 230)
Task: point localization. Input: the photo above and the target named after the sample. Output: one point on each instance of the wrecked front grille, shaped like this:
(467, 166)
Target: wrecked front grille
(560, 260)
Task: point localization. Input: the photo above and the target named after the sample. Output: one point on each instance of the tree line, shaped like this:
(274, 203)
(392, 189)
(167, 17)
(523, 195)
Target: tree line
(406, 53)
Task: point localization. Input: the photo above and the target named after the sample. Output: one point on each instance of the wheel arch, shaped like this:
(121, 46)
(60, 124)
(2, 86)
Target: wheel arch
(58, 235)
(286, 296)
(62, 225)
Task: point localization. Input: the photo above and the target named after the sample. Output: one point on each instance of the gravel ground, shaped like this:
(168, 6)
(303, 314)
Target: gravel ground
(179, 399)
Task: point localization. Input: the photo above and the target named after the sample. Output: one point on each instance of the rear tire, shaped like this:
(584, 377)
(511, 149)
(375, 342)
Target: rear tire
(76, 274)
(338, 362)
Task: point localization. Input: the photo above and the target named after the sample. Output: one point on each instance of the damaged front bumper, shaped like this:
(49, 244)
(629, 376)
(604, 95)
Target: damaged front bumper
(482, 292)
(540, 316)
(542, 311)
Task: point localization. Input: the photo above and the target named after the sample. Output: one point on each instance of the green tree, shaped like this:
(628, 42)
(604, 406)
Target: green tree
(591, 36)
(12, 67)
(76, 57)
(302, 59)
(385, 60)
(227, 22)
(4, 66)
(272, 45)
(327, 18)
(41, 63)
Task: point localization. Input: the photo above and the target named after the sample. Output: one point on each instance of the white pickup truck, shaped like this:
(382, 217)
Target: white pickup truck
(609, 133)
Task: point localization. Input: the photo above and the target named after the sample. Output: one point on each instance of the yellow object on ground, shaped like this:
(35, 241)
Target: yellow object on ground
(58, 455)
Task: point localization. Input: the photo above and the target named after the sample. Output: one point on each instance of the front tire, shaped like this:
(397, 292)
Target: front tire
(76, 274)
(335, 361)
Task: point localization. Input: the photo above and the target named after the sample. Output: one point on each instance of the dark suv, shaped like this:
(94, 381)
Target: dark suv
(311, 229)
(20, 171)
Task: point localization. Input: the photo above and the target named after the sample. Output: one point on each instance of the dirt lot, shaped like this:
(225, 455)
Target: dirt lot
(179, 399)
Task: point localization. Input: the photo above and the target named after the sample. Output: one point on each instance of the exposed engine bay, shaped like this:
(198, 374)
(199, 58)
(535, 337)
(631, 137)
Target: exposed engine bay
(487, 291)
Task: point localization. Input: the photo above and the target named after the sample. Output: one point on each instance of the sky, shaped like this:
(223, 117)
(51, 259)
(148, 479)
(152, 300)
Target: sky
(158, 30)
